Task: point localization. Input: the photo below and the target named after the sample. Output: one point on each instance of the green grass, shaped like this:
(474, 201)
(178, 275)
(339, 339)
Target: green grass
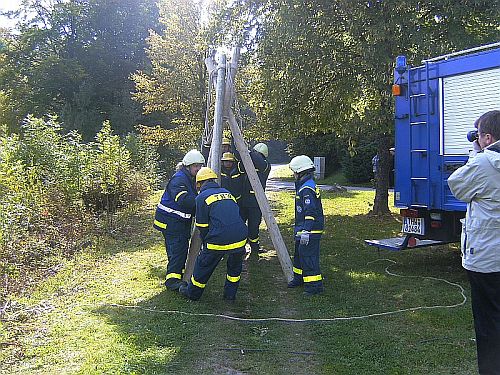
(282, 172)
(338, 178)
(82, 329)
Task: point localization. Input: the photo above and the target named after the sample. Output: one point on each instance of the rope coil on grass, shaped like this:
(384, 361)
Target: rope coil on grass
(317, 320)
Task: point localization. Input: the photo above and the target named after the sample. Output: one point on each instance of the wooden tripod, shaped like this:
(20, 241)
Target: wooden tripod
(224, 97)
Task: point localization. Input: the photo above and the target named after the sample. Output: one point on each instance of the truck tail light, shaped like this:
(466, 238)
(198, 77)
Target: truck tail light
(436, 224)
(409, 212)
(396, 90)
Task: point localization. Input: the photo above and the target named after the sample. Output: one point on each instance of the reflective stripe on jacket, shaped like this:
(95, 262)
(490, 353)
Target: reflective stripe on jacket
(218, 219)
(308, 208)
(177, 202)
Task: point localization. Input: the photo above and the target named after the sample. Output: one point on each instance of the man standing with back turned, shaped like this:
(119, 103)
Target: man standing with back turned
(478, 184)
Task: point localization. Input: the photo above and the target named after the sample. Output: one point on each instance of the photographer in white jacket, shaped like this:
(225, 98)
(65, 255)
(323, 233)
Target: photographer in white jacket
(478, 184)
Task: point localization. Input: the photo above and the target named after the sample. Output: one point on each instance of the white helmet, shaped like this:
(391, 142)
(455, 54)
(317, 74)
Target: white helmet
(301, 163)
(193, 157)
(262, 148)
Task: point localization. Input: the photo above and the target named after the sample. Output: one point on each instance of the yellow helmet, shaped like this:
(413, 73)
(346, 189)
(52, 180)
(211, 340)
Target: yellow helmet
(228, 156)
(193, 157)
(226, 141)
(301, 163)
(204, 174)
(262, 148)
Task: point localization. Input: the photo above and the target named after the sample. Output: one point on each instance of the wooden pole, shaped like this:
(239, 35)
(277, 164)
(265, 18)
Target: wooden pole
(223, 107)
(214, 157)
(267, 214)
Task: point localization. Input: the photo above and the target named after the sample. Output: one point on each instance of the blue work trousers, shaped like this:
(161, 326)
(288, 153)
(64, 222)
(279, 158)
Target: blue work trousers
(254, 217)
(177, 246)
(306, 266)
(205, 265)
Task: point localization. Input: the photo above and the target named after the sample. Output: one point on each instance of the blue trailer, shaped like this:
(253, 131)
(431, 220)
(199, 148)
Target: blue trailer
(436, 104)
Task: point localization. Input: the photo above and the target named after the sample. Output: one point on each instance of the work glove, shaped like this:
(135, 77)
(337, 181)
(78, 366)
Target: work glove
(304, 238)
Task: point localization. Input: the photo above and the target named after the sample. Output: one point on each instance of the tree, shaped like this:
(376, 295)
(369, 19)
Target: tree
(73, 58)
(326, 66)
(176, 83)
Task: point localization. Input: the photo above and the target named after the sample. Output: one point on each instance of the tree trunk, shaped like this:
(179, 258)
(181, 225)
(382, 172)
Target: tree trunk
(381, 202)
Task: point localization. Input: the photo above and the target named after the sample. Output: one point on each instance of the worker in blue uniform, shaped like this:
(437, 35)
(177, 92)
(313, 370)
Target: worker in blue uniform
(232, 177)
(174, 215)
(223, 234)
(250, 210)
(309, 224)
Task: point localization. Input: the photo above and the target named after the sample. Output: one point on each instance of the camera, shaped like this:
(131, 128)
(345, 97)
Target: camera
(472, 135)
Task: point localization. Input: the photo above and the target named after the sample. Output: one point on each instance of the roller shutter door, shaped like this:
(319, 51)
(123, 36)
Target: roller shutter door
(465, 98)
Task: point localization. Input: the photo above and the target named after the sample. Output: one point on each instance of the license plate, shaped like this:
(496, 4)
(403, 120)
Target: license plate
(413, 225)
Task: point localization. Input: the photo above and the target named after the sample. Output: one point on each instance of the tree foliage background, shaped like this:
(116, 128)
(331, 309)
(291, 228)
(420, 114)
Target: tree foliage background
(73, 59)
(323, 67)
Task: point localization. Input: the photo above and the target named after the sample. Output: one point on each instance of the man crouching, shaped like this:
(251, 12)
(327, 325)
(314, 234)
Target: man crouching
(223, 233)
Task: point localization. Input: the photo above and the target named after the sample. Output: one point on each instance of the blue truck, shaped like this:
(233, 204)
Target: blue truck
(436, 105)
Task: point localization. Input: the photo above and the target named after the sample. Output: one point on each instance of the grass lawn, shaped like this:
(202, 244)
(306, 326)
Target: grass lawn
(284, 173)
(107, 312)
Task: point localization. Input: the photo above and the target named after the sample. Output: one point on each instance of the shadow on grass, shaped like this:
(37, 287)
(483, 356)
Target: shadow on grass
(356, 284)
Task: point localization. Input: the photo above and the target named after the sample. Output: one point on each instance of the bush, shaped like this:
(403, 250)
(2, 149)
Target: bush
(51, 187)
(357, 165)
(327, 145)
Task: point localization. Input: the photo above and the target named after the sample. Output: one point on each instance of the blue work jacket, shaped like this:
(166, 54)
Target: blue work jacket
(177, 205)
(308, 208)
(262, 167)
(218, 219)
(233, 180)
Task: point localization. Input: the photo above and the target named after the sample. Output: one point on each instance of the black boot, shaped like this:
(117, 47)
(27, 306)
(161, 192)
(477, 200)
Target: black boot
(295, 283)
(184, 290)
(173, 284)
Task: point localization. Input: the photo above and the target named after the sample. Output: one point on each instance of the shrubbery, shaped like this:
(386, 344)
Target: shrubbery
(54, 188)
(353, 159)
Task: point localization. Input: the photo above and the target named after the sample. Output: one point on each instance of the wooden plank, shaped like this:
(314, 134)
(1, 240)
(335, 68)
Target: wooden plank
(267, 214)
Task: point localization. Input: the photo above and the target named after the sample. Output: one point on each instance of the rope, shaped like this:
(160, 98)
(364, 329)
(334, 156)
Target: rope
(317, 320)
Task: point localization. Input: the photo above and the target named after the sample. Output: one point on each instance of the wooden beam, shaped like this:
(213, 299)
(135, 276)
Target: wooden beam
(267, 214)
(214, 157)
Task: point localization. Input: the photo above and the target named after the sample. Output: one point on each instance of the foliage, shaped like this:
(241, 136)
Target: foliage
(73, 58)
(323, 66)
(176, 82)
(48, 180)
(328, 145)
(357, 167)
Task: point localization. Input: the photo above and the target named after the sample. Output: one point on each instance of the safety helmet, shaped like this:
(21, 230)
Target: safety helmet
(301, 163)
(204, 174)
(228, 156)
(226, 141)
(193, 157)
(262, 148)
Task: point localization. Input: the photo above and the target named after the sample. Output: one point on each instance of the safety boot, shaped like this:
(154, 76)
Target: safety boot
(295, 283)
(173, 284)
(183, 289)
